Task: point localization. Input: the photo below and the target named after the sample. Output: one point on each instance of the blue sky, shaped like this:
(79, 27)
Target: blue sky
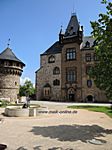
(33, 25)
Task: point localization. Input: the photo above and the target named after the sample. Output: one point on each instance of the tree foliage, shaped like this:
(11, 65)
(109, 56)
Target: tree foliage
(102, 31)
(27, 89)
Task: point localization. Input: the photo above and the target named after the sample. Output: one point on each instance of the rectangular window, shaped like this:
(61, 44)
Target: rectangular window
(95, 57)
(88, 57)
(71, 54)
(71, 76)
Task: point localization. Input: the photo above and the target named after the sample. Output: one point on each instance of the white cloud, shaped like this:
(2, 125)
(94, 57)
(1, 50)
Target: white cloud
(22, 80)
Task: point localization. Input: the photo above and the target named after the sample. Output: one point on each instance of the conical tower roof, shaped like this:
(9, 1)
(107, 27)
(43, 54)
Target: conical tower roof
(73, 26)
(7, 54)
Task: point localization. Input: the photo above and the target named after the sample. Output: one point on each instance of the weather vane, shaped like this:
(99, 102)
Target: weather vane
(74, 8)
(8, 43)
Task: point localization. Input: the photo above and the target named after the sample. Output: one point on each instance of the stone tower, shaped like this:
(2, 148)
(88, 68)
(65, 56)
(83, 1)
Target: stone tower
(71, 61)
(10, 72)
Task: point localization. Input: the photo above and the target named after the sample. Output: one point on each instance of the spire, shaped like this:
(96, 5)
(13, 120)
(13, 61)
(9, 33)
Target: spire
(61, 29)
(73, 26)
(61, 34)
(73, 14)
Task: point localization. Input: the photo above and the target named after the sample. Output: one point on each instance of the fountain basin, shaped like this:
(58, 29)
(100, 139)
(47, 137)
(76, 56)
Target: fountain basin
(16, 111)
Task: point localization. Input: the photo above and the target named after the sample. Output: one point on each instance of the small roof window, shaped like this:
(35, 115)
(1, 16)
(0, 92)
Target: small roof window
(87, 44)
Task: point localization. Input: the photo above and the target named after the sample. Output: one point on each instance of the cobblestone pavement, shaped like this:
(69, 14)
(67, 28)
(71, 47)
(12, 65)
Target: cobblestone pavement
(58, 129)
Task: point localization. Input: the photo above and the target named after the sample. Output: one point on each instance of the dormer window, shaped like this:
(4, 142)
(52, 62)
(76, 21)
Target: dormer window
(71, 28)
(94, 43)
(51, 59)
(87, 44)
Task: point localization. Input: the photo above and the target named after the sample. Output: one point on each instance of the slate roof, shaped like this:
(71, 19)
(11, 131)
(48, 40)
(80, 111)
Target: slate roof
(55, 48)
(89, 39)
(7, 54)
(73, 26)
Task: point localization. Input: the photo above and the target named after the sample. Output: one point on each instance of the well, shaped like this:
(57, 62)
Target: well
(14, 111)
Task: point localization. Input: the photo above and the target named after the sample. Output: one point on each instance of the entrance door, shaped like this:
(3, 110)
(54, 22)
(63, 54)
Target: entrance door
(71, 94)
(89, 98)
(71, 97)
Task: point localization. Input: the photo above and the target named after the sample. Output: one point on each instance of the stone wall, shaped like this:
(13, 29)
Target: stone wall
(82, 91)
(9, 86)
(93, 90)
(45, 75)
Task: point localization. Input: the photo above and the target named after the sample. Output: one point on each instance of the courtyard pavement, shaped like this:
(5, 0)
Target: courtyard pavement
(58, 129)
(68, 103)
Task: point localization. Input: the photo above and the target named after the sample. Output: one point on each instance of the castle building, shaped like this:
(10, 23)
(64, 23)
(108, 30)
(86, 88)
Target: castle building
(10, 71)
(63, 73)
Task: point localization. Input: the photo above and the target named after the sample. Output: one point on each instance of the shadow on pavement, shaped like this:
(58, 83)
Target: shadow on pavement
(35, 148)
(21, 148)
(72, 132)
(60, 148)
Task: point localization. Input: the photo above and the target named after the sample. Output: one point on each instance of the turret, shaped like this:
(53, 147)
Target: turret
(73, 33)
(11, 69)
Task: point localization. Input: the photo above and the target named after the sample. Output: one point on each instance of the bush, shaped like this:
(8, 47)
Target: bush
(4, 103)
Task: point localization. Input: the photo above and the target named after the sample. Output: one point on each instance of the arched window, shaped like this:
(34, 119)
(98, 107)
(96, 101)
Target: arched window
(16, 84)
(56, 82)
(56, 70)
(94, 43)
(51, 59)
(89, 83)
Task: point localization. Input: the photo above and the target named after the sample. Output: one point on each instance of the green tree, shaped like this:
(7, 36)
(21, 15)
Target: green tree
(27, 89)
(102, 31)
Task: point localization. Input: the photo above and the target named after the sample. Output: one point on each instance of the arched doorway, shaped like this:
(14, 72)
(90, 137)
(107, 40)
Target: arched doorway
(89, 98)
(71, 94)
(47, 91)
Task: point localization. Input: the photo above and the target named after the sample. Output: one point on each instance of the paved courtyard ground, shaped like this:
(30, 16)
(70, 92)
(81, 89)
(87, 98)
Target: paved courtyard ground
(59, 129)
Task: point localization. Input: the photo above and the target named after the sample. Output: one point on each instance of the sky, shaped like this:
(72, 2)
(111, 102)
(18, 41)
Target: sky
(33, 26)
